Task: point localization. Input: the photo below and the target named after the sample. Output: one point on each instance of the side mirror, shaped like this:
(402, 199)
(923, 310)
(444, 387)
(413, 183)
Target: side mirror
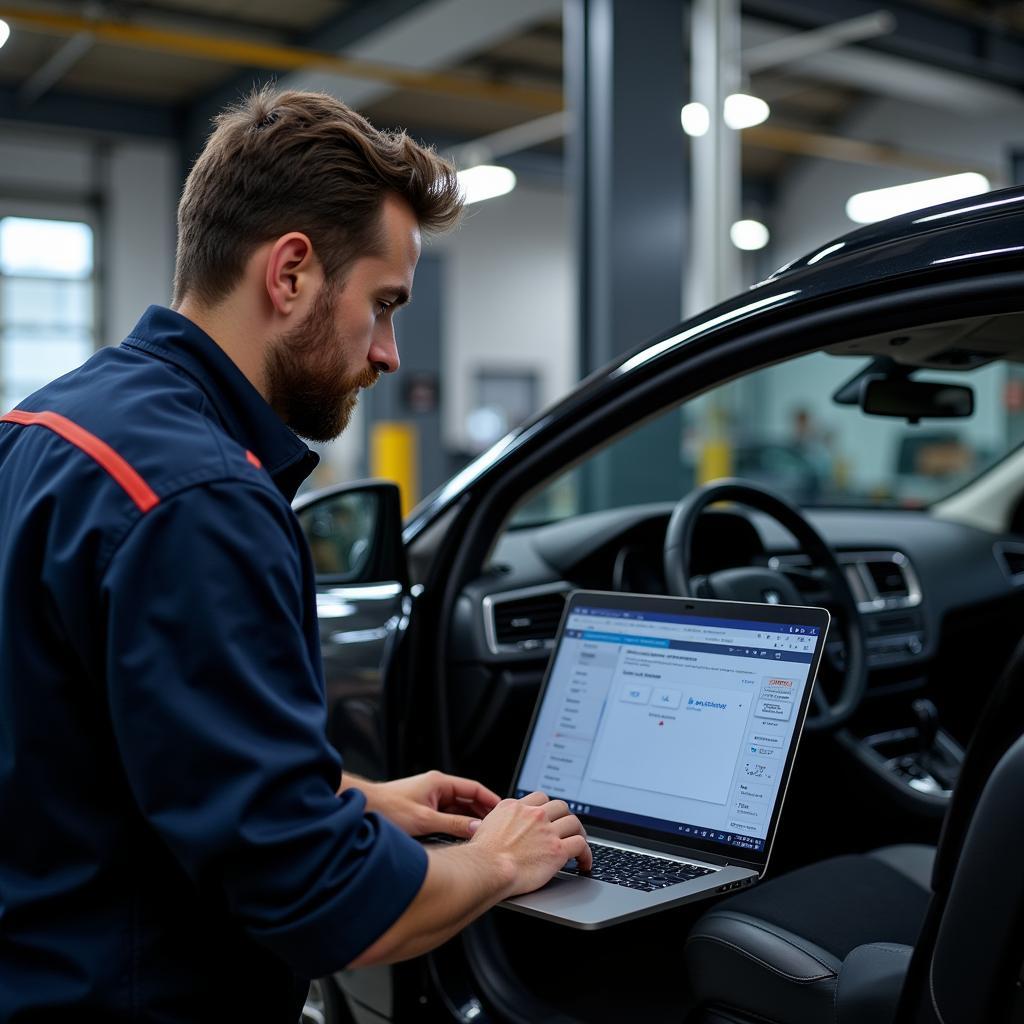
(915, 400)
(354, 532)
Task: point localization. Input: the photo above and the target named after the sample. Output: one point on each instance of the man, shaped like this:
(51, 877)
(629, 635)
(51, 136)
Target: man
(175, 844)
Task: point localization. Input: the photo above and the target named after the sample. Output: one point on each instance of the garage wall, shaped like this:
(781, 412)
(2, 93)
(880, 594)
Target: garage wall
(508, 299)
(128, 190)
(142, 183)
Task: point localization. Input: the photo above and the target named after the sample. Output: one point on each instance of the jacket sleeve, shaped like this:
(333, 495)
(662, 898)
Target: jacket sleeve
(218, 711)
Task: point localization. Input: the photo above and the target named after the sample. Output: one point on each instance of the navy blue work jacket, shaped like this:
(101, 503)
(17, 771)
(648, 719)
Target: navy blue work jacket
(171, 845)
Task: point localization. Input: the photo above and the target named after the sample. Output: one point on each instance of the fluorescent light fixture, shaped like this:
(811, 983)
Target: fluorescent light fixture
(749, 235)
(485, 181)
(744, 111)
(5, 32)
(882, 203)
(695, 119)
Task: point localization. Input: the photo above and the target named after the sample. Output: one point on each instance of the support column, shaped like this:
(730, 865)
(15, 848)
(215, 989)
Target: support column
(1017, 166)
(715, 53)
(626, 82)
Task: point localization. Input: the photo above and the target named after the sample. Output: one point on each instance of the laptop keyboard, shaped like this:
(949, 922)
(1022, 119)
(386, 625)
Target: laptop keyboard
(637, 870)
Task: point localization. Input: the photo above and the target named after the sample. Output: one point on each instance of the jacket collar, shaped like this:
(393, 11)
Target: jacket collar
(242, 410)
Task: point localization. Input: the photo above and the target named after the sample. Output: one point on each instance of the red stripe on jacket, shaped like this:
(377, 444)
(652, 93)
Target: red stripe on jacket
(134, 486)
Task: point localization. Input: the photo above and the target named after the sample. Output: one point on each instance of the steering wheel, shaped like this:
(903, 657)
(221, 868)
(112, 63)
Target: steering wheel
(754, 583)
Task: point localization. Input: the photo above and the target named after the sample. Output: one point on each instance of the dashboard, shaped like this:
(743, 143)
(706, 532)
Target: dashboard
(940, 603)
(907, 571)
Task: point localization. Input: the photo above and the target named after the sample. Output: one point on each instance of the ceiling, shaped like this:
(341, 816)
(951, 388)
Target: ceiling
(104, 49)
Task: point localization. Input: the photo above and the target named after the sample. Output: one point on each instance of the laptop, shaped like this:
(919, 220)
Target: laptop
(669, 726)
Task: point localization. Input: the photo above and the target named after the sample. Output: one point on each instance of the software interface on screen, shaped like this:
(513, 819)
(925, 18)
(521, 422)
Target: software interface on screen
(672, 722)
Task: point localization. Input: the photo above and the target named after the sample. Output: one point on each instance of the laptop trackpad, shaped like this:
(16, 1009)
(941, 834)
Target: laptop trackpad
(578, 898)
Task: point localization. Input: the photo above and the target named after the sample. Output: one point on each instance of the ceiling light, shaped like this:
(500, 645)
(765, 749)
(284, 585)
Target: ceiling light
(749, 235)
(5, 32)
(695, 119)
(485, 181)
(881, 203)
(744, 111)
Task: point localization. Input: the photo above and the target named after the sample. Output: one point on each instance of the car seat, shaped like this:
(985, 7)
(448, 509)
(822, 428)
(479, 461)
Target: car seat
(904, 934)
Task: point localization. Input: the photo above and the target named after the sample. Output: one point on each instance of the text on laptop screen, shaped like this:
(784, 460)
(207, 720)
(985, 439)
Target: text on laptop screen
(672, 722)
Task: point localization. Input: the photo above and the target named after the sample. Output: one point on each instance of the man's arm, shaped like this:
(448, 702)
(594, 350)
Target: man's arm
(517, 848)
(427, 803)
(218, 714)
(217, 707)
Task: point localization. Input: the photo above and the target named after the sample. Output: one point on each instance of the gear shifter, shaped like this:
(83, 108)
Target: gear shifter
(932, 758)
(927, 715)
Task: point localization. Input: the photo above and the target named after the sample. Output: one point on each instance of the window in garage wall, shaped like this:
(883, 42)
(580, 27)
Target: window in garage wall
(47, 302)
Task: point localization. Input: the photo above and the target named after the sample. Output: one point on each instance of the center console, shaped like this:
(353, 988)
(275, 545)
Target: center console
(918, 764)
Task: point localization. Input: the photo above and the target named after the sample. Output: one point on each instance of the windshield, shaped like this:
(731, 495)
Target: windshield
(782, 427)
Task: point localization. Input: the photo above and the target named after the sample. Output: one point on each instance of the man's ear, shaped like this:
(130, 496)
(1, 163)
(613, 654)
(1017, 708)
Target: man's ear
(292, 273)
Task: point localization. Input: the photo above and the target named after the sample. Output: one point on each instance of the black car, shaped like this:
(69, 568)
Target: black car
(903, 344)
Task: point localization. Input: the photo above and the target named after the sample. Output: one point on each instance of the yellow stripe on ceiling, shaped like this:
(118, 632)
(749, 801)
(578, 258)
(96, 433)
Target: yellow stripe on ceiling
(282, 58)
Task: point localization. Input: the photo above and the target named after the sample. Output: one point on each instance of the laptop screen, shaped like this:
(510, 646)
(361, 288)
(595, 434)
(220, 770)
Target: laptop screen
(673, 723)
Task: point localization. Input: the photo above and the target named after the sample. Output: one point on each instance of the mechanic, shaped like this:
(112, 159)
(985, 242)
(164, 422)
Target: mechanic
(176, 845)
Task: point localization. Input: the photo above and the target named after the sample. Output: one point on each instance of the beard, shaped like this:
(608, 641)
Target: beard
(308, 383)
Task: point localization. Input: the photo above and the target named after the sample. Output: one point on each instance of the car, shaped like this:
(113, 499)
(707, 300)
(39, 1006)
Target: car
(436, 630)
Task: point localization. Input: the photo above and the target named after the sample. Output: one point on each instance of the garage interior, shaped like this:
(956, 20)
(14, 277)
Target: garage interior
(629, 165)
(105, 106)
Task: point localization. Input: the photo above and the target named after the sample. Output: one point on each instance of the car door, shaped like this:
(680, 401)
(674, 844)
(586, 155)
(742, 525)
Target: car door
(363, 599)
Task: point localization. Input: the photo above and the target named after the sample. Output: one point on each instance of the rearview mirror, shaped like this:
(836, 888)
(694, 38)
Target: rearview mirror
(915, 400)
(355, 532)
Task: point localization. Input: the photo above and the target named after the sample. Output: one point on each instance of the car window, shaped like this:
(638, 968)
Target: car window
(780, 427)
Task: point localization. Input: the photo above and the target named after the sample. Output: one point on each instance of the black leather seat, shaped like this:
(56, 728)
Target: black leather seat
(904, 934)
(777, 950)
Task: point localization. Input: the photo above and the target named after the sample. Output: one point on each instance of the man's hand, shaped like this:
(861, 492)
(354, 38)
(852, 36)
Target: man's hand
(431, 802)
(517, 848)
(533, 837)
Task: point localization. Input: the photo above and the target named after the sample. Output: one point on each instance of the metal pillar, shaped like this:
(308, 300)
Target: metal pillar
(1017, 166)
(626, 81)
(715, 56)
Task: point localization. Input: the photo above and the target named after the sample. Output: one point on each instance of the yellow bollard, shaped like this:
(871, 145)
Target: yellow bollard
(715, 460)
(393, 456)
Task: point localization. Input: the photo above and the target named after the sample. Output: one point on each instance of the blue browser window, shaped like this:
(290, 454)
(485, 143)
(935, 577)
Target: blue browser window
(677, 723)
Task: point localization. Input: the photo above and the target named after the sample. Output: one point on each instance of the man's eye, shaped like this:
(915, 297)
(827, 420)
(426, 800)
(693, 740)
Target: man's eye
(382, 308)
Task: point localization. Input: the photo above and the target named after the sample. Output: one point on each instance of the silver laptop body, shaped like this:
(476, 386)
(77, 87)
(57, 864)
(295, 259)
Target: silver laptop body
(669, 726)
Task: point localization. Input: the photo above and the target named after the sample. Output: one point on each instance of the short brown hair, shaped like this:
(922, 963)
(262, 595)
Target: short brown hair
(299, 161)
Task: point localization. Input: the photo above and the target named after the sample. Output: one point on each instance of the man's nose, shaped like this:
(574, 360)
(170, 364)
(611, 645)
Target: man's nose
(384, 353)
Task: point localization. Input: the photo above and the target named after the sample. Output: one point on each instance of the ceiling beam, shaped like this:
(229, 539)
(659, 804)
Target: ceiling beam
(276, 57)
(519, 137)
(980, 47)
(44, 78)
(434, 34)
(784, 51)
(876, 154)
(92, 115)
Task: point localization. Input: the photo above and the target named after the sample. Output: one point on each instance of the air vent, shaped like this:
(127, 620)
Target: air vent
(1011, 558)
(888, 579)
(530, 618)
